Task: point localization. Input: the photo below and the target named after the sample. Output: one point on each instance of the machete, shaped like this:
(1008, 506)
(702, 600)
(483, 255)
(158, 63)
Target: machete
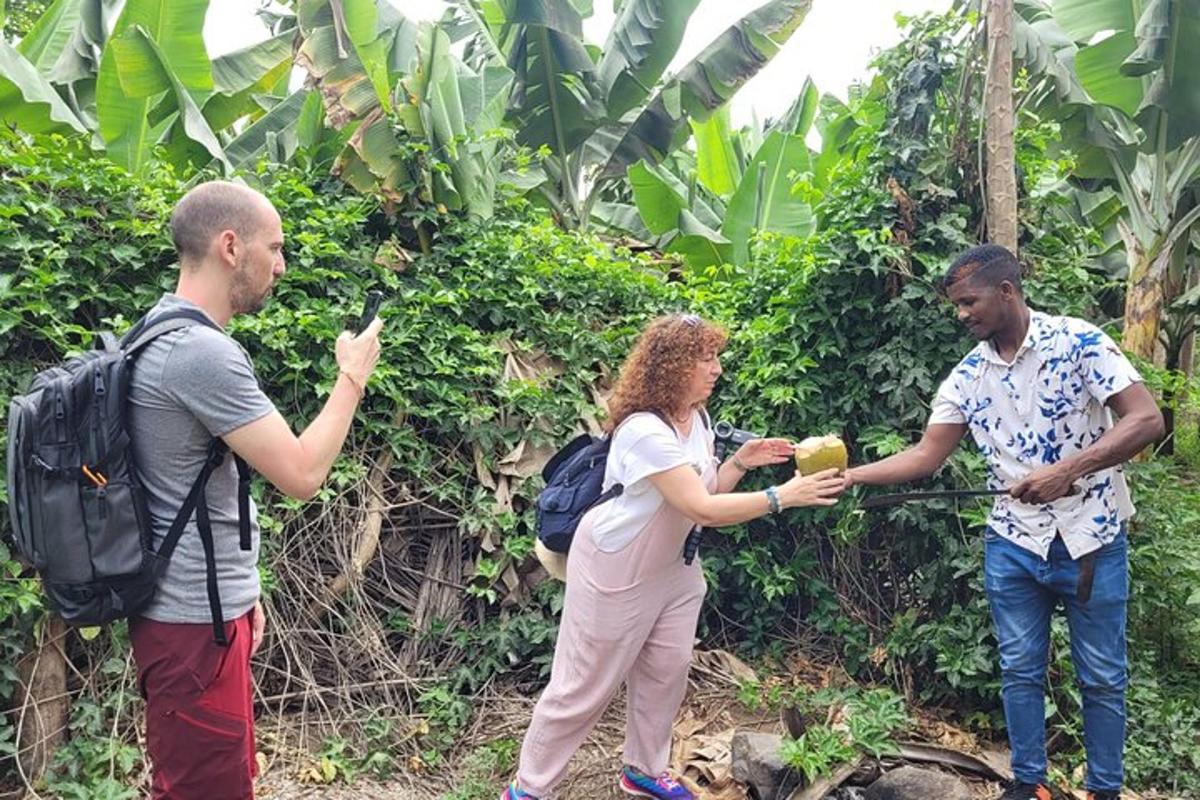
(881, 500)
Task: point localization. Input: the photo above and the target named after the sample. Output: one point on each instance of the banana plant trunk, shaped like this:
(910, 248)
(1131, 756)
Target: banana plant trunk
(1146, 293)
(1143, 303)
(1001, 180)
(1178, 331)
(1187, 352)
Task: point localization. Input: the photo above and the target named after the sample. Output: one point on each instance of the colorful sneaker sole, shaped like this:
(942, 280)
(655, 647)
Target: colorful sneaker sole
(629, 787)
(512, 793)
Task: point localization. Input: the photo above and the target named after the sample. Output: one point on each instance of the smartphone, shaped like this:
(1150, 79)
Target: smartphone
(370, 309)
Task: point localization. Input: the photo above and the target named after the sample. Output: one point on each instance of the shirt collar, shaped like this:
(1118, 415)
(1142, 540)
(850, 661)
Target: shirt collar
(1032, 335)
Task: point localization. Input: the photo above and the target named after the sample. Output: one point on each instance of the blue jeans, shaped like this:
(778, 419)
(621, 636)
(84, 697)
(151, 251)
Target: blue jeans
(1022, 590)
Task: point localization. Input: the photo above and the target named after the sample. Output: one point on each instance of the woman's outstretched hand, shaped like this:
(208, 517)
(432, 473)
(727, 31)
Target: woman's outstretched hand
(762, 452)
(819, 489)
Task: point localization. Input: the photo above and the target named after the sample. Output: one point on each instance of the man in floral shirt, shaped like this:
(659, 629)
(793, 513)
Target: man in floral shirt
(1038, 395)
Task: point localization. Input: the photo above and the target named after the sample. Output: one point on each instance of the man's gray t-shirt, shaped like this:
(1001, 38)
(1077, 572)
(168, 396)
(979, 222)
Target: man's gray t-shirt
(188, 386)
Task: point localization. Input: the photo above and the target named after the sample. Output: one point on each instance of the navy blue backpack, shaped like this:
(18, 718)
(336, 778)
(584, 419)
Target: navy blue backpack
(574, 480)
(574, 477)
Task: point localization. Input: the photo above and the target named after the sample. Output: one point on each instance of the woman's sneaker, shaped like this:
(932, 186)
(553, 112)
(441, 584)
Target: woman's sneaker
(639, 784)
(513, 793)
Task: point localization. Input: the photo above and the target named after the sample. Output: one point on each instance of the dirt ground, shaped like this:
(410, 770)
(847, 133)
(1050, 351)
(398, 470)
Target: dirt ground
(710, 714)
(592, 773)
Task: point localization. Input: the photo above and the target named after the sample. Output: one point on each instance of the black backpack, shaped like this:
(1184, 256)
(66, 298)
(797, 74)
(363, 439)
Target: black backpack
(574, 478)
(77, 506)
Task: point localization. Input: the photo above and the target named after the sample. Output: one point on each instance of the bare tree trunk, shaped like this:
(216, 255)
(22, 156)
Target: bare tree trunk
(42, 714)
(1001, 180)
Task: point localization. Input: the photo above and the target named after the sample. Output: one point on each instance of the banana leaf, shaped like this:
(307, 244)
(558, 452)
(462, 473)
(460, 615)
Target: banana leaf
(640, 45)
(700, 88)
(764, 199)
(279, 125)
(27, 100)
(717, 162)
(177, 61)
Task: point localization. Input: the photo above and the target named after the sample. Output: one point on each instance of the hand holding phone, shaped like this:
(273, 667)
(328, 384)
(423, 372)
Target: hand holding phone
(370, 308)
(357, 354)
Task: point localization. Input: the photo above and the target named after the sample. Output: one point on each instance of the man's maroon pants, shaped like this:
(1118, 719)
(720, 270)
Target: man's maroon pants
(199, 709)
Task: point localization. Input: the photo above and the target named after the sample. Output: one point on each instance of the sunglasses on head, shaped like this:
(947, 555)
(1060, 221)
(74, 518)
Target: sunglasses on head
(691, 320)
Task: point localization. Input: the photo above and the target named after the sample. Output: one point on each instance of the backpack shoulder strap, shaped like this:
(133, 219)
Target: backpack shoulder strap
(197, 503)
(703, 418)
(107, 342)
(143, 332)
(149, 327)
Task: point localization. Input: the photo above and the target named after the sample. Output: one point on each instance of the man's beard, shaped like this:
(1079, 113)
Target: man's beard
(243, 298)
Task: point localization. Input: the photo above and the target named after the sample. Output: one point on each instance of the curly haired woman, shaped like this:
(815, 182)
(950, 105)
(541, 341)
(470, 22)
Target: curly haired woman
(631, 601)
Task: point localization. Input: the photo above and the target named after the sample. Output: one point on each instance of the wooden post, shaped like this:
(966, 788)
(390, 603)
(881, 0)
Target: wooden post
(1001, 179)
(44, 705)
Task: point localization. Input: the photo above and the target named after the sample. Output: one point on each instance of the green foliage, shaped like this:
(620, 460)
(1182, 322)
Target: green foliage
(20, 15)
(857, 722)
(484, 768)
(341, 761)
(817, 751)
(99, 759)
(1165, 567)
(1161, 748)
(446, 713)
(146, 90)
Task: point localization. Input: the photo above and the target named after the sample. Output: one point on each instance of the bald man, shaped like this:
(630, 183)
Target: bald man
(191, 386)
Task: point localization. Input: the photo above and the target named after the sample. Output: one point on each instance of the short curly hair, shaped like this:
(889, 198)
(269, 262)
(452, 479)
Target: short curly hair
(988, 264)
(655, 375)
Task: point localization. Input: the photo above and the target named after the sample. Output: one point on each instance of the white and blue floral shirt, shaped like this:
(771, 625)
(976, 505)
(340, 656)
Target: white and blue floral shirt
(1046, 405)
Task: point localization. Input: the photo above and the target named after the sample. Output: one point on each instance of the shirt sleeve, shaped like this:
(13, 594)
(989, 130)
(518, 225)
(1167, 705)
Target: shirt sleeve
(1101, 365)
(947, 405)
(645, 446)
(211, 376)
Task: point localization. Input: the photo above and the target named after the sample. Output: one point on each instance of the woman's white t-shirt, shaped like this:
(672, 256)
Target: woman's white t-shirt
(645, 445)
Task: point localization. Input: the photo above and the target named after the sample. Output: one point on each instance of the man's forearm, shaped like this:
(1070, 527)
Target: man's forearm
(322, 440)
(1119, 443)
(917, 462)
(910, 465)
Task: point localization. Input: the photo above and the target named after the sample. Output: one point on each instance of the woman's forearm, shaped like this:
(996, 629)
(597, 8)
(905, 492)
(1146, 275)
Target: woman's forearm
(729, 508)
(683, 489)
(728, 476)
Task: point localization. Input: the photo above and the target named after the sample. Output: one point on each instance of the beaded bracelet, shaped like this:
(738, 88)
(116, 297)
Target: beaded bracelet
(773, 500)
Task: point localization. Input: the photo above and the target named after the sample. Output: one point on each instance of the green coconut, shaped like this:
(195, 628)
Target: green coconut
(817, 453)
